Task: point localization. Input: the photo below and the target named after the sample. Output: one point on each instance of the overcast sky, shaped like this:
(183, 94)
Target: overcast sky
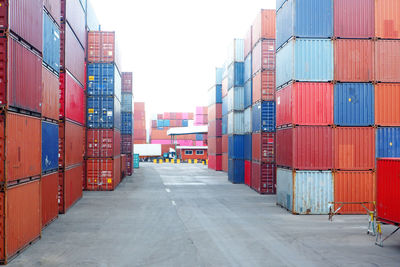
(172, 47)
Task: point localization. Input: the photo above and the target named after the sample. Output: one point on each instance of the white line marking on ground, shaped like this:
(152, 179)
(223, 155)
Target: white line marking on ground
(167, 189)
(173, 203)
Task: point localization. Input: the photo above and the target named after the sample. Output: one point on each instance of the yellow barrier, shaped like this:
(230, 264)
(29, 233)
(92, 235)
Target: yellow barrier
(172, 161)
(195, 161)
(160, 161)
(166, 160)
(189, 161)
(206, 161)
(154, 161)
(178, 161)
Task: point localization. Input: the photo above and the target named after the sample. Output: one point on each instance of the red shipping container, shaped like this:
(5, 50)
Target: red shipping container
(264, 86)
(215, 162)
(305, 148)
(139, 124)
(102, 47)
(72, 99)
(263, 56)
(191, 116)
(123, 166)
(225, 144)
(354, 186)
(165, 148)
(139, 134)
(387, 63)
(388, 186)
(53, 7)
(214, 112)
(173, 115)
(263, 178)
(126, 80)
(263, 147)
(138, 106)
(21, 220)
(71, 144)
(25, 19)
(264, 25)
(103, 143)
(50, 95)
(103, 174)
(354, 148)
(225, 162)
(49, 198)
(215, 128)
(215, 145)
(167, 116)
(354, 60)
(73, 12)
(69, 187)
(126, 144)
(139, 115)
(129, 164)
(247, 172)
(248, 45)
(387, 21)
(179, 116)
(139, 142)
(305, 104)
(154, 124)
(387, 106)
(20, 139)
(354, 18)
(21, 76)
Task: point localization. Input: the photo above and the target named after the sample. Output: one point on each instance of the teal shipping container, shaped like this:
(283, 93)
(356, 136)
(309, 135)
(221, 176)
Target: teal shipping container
(136, 161)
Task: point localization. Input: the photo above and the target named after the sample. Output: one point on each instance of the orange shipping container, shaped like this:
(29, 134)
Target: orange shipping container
(354, 148)
(50, 94)
(387, 105)
(69, 187)
(264, 26)
(102, 47)
(159, 134)
(139, 142)
(387, 60)
(71, 144)
(354, 186)
(387, 20)
(103, 174)
(20, 212)
(225, 162)
(138, 106)
(139, 124)
(49, 198)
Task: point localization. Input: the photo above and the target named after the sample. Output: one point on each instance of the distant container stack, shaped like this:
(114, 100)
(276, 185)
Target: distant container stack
(201, 118)
(215, 123)
(103, 144)
(126, 138)
(139, 123)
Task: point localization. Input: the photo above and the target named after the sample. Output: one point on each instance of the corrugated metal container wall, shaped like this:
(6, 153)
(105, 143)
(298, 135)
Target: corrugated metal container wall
(102, 48)
(354, 186)
(247, 120)
(264, 25)
(263, 147)
(224, 87)
(235, 51)
(72, 54)
(225, 141)
(54, 9)
(236, 99)
(72, 99)
(18, 232)
(387, 63)
(24, 18)
(49, 198)
(387, 106)
(50, 95)
(225, 105)
(224, 125)
(354, 148)
(214, 112)
(236, 122)
(51, 43)
(279, 4)
(354, 104)
(218, 75)
(49, 146)
(126, 144)
(126, 123)
(264, 56)
(388, 197)
(354, 60)
(215, 128)
(236, 171)
(102, 174)
(74, 139)
(215, 162)
(354, 18)
(306, 60)
(236, 146)
(305, 192)
(248, 67)
(294, 19)
(264, 117)
(248, 44)
(264, 86)
(305, 148)
(101, 143)
(103, 79)
(101, 113)
(387, 21)
(126, 82)
(236, 75)
(247, 147)
(74, 13)
(248, 94)
(388, 142)
(214, 145)
(247, 172)
(305, 104)
(126, 102)
(225, 162)
(263, 178)
(215, 95)
(22, 70)
(71, 188)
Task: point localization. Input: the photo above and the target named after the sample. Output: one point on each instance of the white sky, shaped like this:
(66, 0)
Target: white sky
(172, 47)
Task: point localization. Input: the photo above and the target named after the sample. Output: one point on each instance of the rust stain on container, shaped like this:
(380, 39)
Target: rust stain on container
(387, 104)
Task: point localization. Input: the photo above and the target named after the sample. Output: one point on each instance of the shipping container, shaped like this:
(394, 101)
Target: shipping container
(215, 162)
(20, 211)
(69, 187)
(264, 56)
(354, 148)
(224, 107)
(103, 174)
(103, 143)
(279, 4)
(235, 51)
(225, 143)
(102, 48)
(236, 122)
(354, 104)
(22, 70)
(247, 72)
(49, 147)
(126, 102)
(264, 117)
(224, 125)
(49, 198)
(248, 44)
(72, 99)
(236, 171)
(225, 162)
(54, 9)
(73, 12)
(355, 186)
(387, 21)
(215, 95)
(126, 144)
(247, 147)
(103, 112)
(236, 146)
(218, 75)
(50, 95)
(136, 161)
(214, 112)
(71, 144)
(129, 164)
(305, 148)
(387, 106)
(263, 147)
(304, 192)
(126, 123)
(248, 94)
(305, 60)
(388, 142)
(215, 145)
(264, 86)
(92, 22)
(305, 104)
(264, 26)
(354, 18)
(224, 86)
(295, 19)
(263, 178)
(247, 120)
(236, 75)
(388, 185)
(387, 63)
(236, 99)
(127, 80)
(51, 43)
(103, 80)
(247, 172)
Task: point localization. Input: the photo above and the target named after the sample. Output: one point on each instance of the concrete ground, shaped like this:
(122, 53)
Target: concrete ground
(187, 215)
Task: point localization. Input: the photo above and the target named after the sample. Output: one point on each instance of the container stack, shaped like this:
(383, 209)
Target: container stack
(139, 123)
(72, 103)
(235, 106)
(248, 101)
(260, 118)
(201, 118)
(103, 156)
(224, 130)
(127, 139)
(215, 123)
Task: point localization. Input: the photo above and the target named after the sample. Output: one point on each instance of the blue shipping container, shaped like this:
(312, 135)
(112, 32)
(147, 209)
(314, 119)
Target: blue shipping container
(224, 105)
(218, 75)
(136, 160)
(248, 67)
(103, 112)
(160, 123)
(264, 117)
(236, 171)
(199, 137)
(305, 60)
(49, 147)
(248, 93)
(247, 147)
(185, 123)
(51, 43)
(103, 79)
(215, 95)
(236, 75)
(354, 104)
(388, 142)
(279, 4)
(304, 18)
(127, 123)
(166, 123)
(236, 99)
(126, 103)
(236, 146)
(225, 124)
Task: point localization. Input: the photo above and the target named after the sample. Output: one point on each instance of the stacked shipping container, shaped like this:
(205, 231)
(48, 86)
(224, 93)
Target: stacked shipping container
(201, 118)
(127, 139)
(139, 123)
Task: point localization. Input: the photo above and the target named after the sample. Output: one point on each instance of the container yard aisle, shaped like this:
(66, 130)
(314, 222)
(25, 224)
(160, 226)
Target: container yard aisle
(187, 215)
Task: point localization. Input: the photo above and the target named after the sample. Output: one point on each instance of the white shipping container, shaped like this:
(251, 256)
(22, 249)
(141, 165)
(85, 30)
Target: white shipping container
(236, 99)
(147, 150)
(235, 51)
(247, 120)
(236, 122)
